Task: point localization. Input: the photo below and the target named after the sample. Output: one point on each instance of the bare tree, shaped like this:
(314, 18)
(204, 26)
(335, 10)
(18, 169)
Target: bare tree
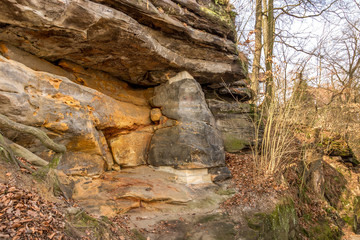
(267, 34)
(341, 61)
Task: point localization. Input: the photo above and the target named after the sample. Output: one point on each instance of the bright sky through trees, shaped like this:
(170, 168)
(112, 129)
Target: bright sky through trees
(307, 44)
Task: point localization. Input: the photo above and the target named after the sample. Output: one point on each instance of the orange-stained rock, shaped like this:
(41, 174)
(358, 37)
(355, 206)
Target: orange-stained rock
(118, 192)
(82, 164)
(74, 115)
(107, 84)
(131, 149)
(61, 127)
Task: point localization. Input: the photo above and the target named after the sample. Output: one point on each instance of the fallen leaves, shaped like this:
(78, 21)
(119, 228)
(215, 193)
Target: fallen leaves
(250, 186)
(24, 215)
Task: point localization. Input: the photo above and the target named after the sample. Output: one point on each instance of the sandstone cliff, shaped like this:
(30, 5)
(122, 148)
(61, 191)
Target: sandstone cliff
(121, 84)
(142, 42)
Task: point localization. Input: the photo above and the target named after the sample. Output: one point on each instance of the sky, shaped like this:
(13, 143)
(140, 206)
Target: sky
(303, 34)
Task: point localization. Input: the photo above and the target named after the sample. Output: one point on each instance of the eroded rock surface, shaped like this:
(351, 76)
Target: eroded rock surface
(72, 114)
(130, 150)
(194, 142)
(143, 42)
(118, 192)
(234, 121)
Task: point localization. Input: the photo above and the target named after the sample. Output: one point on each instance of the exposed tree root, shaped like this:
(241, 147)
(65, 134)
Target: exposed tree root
(24, 153)
(9, 155)
(45, 140)
(10, 149)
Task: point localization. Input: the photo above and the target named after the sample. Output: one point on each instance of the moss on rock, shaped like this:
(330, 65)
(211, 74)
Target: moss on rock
(221, 11)
(280, 224)
(323, 230)
(233, 143)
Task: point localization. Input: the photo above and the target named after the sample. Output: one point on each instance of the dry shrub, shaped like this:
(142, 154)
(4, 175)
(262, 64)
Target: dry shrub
(276, 145)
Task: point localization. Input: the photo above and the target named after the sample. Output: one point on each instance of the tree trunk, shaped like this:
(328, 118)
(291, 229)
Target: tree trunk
(269, 37)
(257, 53)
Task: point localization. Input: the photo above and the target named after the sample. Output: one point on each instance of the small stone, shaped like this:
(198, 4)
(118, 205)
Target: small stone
(73, 210)
(220, 174)
(155, 114)
(116, 167)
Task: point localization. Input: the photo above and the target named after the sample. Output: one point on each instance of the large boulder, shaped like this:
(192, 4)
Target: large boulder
(140, 41)
(79, 117)
(194, 142)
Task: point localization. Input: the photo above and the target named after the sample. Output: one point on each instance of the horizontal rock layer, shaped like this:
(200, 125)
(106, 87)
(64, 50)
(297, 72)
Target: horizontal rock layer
(118, 192)
(143, 42)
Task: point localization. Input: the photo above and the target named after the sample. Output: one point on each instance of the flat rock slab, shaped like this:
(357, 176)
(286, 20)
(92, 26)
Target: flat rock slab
(118, 192)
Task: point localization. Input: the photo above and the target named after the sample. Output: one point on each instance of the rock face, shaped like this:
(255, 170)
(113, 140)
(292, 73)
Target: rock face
(234, 122)
(194, 142)
(131, 149)
(74, 115)
(142, 42)
(118, 83)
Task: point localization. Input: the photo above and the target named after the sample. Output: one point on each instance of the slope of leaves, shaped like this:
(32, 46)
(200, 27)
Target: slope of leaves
(25, 215)
(250, 186)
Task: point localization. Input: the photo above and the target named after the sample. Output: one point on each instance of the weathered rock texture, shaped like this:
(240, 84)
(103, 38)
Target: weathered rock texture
(194, 142)
(142, 42)
(131, 149)
(85, 72)
(74, 115)
(118, 192)
(234, 121)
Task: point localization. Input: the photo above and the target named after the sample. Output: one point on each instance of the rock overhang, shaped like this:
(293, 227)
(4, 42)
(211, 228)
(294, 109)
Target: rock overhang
(111, 127)
(141, 42)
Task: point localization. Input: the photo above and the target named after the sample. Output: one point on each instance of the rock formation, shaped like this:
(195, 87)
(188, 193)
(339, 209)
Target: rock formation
(142, 42)
(194, 140)
(120, 84)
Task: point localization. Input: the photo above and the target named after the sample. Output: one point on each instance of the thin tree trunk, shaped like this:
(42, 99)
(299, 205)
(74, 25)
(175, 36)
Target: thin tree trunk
(269, 37)
(257, 53)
